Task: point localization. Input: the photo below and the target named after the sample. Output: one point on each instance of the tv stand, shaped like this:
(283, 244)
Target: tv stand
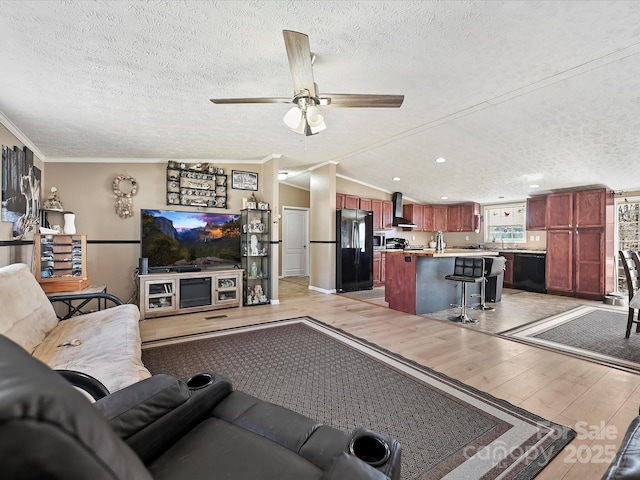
(171, 293)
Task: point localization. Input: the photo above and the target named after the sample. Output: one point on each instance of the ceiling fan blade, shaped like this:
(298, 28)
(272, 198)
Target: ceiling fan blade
(252, 100)
(362, 100)
(299, 54)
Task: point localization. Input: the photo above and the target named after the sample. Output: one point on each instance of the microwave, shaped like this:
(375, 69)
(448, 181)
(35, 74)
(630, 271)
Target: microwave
(379, 241)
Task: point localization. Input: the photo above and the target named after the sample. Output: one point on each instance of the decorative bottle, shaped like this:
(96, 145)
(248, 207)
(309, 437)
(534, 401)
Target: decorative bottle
(69, 223)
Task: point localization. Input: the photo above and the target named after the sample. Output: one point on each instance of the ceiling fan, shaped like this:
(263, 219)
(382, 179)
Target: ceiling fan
(306, 118)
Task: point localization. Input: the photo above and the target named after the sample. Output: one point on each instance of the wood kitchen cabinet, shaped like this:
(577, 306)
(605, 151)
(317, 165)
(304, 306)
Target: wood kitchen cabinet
(462, 218)
(508, 269)
(427, 218)
(351, 201)
(536, 213)
(559, 211)
(365, 204)
(440, 215)
(415, 213)
(376, 207)
(453, 218)
(580, 249)
(387, 215)
(379, 268)
(339, 201)
(560, 260)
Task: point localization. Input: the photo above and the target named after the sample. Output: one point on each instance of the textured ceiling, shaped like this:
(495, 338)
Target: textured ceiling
(510, 93)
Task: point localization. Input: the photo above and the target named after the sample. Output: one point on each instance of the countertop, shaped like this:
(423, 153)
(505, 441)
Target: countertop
(466, 252)
(448, 252)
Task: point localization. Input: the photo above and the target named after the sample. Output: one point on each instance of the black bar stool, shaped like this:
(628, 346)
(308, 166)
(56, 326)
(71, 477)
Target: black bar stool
(466, 270)
(494, 266)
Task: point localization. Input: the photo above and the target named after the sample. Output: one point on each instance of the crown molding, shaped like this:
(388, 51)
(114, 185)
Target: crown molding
(9, 125)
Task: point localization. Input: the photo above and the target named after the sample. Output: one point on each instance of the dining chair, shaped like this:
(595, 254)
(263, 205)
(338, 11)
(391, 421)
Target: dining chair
(631, 264)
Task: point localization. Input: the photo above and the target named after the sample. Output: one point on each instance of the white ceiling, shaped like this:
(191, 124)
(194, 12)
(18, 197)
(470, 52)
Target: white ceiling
(510, 93)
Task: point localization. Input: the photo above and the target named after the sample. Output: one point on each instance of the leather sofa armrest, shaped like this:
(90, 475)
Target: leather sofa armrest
(626, 463)
(154, 413)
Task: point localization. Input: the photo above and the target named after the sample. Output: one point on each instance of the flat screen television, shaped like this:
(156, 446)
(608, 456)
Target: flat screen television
(173, 240)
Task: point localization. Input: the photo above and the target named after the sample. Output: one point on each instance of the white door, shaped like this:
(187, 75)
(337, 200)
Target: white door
(295, 240)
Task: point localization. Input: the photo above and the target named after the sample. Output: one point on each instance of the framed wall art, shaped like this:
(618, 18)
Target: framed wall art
(244, 180)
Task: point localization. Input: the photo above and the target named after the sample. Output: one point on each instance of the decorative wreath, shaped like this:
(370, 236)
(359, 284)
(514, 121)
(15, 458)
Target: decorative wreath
(124, 203)
(120, 193)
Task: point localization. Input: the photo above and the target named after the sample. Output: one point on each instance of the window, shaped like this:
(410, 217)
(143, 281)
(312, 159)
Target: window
(505, 223)
(628, 233)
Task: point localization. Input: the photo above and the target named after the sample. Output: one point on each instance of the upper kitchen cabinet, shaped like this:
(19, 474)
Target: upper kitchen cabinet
(382, 214)
(440, 216)
(339, 201)
(536, 213)
(463, 218)
(415, 213)
(387, 215)
(365, 204)
(590, 208)
(559, 211)
(427, 218)
(351, 201)
(453, 218)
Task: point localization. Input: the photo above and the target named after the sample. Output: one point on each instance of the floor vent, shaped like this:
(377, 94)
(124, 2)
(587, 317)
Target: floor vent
(215, 317)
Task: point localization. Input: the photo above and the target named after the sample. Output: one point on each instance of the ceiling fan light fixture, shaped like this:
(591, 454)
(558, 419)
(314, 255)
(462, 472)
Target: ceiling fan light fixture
(293, 118)
(314, 117)
(318, 128)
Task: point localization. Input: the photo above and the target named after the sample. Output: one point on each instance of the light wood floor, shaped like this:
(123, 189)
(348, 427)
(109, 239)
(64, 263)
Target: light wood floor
(598, 401)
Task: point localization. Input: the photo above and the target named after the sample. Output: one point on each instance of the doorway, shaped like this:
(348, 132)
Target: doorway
(295, 242)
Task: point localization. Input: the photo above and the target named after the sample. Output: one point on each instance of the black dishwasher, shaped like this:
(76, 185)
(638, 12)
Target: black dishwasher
(529, 272)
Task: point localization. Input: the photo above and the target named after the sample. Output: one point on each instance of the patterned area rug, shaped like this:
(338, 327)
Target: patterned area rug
(445, 427)
(590, 332)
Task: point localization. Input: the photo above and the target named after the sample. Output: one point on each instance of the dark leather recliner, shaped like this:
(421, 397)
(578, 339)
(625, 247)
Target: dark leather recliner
(159, 428)
(626, 463)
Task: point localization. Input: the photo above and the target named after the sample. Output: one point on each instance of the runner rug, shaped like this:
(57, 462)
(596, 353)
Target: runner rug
(445, 426)
(591, 332)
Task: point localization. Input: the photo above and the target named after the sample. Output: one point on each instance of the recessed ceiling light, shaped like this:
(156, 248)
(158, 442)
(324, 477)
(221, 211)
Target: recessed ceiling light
(440, 160)
(535, 185)
(397, 179)
(443, 198)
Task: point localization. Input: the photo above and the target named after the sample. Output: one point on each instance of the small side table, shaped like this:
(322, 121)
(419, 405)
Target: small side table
(75, 305)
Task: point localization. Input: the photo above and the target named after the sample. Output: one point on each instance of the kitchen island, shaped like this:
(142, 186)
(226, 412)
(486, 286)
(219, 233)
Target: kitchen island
(415, 280)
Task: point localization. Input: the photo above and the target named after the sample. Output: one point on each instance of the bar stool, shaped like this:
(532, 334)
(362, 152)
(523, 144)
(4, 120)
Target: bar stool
(494, 266)
(466, 270)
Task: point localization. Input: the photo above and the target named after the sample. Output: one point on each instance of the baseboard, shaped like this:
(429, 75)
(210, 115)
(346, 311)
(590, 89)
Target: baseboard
(322, 290)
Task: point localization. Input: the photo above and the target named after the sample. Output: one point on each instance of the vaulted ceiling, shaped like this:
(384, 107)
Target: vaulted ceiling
(510, 93)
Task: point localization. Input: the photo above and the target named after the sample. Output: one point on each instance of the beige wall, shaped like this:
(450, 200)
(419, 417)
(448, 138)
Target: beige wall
(86, 189)
(322, 229)
(16, 252)
(290, 196)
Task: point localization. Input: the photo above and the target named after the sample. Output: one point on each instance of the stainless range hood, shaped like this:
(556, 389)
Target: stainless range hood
(398, 219)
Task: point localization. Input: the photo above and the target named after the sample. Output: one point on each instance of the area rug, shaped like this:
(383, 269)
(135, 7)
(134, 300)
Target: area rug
(446, 427)
(591, 332)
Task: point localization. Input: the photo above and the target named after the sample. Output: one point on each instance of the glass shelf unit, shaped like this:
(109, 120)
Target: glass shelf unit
(256, 255)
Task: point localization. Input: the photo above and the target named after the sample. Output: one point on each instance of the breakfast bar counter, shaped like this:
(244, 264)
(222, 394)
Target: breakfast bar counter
(415, 280)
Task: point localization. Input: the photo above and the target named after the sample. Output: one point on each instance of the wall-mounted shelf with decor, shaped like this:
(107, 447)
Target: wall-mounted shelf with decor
(196, 185)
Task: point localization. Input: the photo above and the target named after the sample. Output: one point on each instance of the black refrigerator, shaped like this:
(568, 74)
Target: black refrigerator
(354, 250)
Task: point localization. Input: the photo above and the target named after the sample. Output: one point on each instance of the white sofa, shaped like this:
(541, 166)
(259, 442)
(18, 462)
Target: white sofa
(110, 345)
